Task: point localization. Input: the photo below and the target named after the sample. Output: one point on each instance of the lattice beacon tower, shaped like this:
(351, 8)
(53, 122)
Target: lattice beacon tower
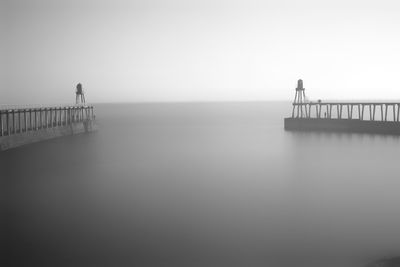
(80, 95)
(299, 99)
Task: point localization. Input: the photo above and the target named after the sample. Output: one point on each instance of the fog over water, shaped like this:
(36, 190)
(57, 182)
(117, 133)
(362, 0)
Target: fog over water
(188, 50)
(201, 184)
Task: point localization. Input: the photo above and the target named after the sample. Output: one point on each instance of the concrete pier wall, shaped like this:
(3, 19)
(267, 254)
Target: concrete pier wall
(20, 139)
(342, 125)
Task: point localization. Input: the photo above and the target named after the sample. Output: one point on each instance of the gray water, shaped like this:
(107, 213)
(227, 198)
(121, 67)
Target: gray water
(201, 184)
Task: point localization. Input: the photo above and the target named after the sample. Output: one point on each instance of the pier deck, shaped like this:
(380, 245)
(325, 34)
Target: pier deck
(28, 125)
(349, 116)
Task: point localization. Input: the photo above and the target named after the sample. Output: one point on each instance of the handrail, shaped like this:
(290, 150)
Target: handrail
(20, 120)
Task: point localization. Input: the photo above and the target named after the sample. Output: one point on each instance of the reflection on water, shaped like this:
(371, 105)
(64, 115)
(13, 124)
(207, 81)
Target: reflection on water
(201, 185)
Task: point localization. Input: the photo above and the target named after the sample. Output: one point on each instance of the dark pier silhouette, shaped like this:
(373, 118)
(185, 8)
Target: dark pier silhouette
(347, 116)
(20, 126)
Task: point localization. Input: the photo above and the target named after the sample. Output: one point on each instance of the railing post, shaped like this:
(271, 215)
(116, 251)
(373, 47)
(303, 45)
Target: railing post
(8, 122)
(386, 109)
(46, 118)
(293, 110)
(41, 118)
(362, 112)
(398, 110)
(373, 113)
(370, 112)
(56, 116)
(36, 120)
(351, 112)
(13, 124)
(65, 116)
(19, 121)
(26, 121)
(51, 111)
(1, 124)
(30, 119)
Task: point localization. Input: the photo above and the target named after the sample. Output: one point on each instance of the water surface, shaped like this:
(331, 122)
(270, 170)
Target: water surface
(201, 184)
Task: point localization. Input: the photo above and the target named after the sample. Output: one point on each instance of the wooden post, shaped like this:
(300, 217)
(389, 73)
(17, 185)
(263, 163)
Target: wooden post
(51, 118)
(30, 119)
(386, 110)
(338, 111)
(19, 121)
(398, 110)
(39, 118)
(370, 112)
(36, 120)
(316, 111)
(54, 122)
(373, 113)
(13, 121)
(46, 118)
(26, 121)
(305, 110)
(362, 112)
(56, 117)
(1, 124)
(351, 112)
(8, 123)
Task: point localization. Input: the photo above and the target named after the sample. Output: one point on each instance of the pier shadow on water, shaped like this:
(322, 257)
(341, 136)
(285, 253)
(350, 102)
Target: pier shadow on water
(217, 184)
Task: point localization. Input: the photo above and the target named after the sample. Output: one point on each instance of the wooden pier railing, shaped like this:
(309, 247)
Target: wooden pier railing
(373, 111)
(16, 121)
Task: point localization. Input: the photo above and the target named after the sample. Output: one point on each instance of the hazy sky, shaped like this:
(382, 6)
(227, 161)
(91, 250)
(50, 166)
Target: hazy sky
(154, 50)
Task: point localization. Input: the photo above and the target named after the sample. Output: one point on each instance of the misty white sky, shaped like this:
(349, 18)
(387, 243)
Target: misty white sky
(208, 50)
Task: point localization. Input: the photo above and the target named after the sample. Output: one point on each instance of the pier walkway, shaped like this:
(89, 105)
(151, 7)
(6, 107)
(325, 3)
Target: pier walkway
(302, 108)
(343, 116)
(17, 121)
(373, 111)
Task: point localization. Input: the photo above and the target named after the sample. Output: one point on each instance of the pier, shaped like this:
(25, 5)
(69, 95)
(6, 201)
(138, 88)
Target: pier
(348, 110)
(21, 126)
(17, 121)
(350, 116)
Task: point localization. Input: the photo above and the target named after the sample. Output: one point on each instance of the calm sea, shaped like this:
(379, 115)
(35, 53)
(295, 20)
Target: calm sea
(201, 184)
